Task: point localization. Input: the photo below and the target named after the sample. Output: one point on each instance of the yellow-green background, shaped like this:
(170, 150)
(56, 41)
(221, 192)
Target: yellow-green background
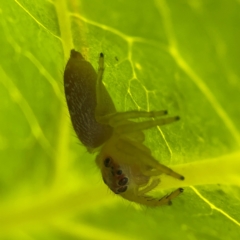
(177, 55)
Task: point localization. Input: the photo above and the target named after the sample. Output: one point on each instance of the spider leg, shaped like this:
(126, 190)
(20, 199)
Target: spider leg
(139, 126)
(159, 169)
(150, 187)
(151, 201)
(148, 200)
(99, 84)
(137, 136)
(116, 119)
(105, 105)
(143, 155)
(167, 199)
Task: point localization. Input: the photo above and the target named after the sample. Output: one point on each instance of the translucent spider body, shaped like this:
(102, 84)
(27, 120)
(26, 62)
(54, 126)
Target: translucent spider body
(127, 165)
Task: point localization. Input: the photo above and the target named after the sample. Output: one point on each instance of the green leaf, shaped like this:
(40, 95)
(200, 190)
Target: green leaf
(182, 56)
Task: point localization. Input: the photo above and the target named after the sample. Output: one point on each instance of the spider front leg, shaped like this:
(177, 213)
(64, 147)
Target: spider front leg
(166, 200)
(147, 200)
(141, 193)
(140, 196)
(149, 166)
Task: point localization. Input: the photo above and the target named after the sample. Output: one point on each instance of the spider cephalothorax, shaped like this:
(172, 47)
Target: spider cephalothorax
(129, 170)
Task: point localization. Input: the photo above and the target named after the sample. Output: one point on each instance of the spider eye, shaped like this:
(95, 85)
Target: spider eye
(122, 189)
(119, 172)
(123, 181)
(107, 162)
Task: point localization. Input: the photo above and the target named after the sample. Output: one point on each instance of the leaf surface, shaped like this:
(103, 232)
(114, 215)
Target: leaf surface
(182, 56)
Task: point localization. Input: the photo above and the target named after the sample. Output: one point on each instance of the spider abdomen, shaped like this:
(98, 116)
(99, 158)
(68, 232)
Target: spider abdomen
(80, 80)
